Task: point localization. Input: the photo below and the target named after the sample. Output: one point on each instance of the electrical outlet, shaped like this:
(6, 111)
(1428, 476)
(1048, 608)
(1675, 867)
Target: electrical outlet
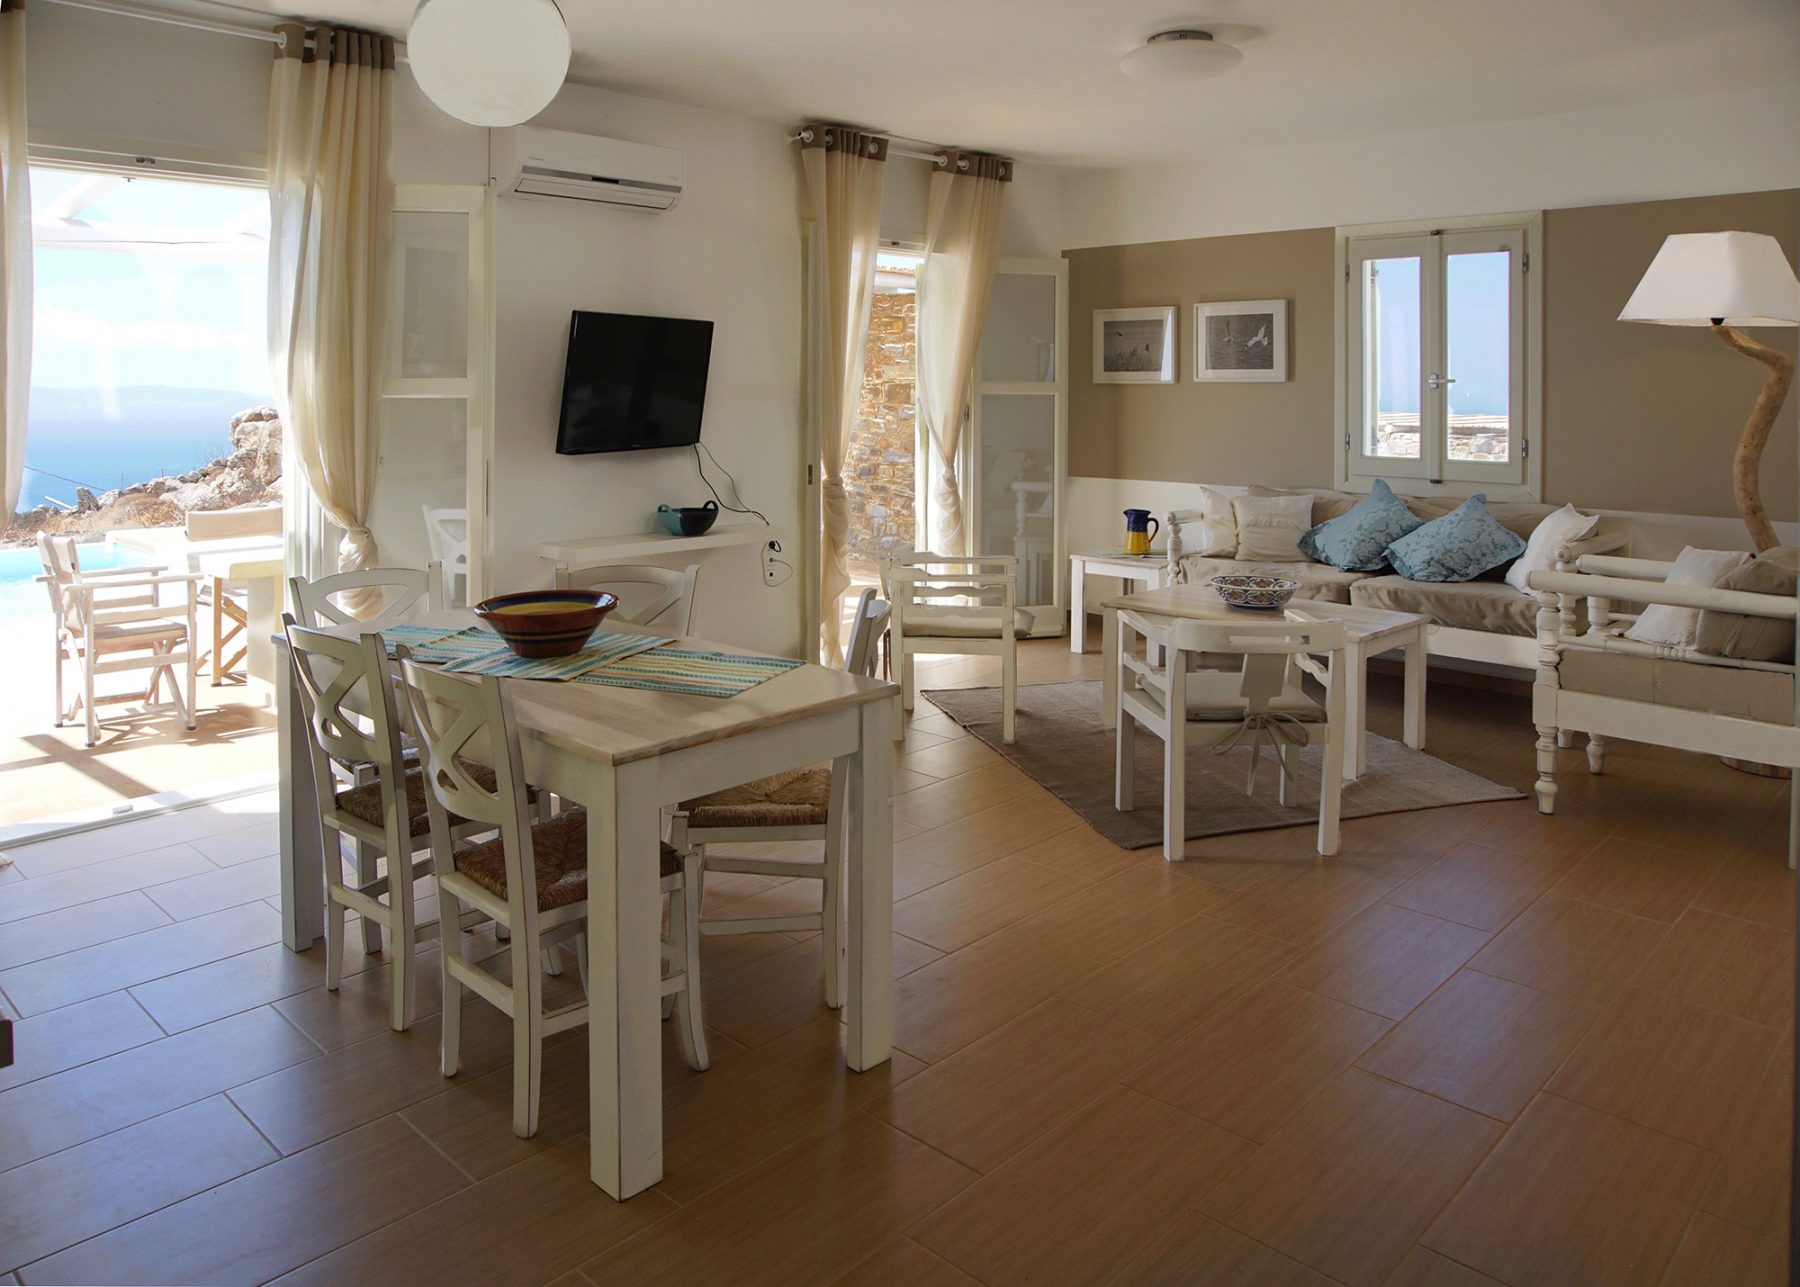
(772, 567)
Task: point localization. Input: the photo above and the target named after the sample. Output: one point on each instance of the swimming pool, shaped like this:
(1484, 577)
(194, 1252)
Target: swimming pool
(21, 595)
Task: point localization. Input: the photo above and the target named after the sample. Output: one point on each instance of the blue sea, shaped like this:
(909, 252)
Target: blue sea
(111, 438)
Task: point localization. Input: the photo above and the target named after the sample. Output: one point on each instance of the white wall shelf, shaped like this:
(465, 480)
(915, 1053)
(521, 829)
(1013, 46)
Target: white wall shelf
(597, 551)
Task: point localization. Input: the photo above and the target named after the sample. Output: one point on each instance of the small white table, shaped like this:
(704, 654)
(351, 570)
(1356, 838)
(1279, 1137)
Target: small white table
(254, 562)
(1151, 569)
(1368, 632)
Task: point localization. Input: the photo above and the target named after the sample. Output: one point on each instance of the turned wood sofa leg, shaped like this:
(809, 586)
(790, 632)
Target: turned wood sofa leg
(1546, 766)
(1596, 753)
(1565, 738)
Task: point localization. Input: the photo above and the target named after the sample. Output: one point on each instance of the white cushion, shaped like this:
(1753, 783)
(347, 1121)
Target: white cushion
(1558, 529)
(926, 623)
(1270, 527)
(1218, 529)
(1214, 695)
(1662, 623)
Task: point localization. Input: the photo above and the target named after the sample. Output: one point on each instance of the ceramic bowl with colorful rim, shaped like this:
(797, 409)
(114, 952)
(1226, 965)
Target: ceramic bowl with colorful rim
(1267, 592)
(546, 623)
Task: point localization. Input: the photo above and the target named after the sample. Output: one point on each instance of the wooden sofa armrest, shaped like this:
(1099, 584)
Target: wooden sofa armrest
(1743, 602)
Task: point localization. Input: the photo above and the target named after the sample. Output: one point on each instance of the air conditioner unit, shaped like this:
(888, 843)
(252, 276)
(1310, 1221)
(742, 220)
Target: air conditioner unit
(556, 165)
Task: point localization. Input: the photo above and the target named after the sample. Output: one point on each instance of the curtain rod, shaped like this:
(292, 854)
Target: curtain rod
(805, 135)
(145, 13)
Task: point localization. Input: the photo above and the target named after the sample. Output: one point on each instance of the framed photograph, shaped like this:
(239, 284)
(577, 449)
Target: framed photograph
(1134, 345)
(1243, 339)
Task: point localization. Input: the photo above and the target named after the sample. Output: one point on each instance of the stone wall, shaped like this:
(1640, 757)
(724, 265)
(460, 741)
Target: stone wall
(878, 473)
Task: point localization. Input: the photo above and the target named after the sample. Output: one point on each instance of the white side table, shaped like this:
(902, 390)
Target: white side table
(1151, 569)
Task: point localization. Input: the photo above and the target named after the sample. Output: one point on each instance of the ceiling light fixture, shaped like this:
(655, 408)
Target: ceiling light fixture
(1186, 53)
(487, 63)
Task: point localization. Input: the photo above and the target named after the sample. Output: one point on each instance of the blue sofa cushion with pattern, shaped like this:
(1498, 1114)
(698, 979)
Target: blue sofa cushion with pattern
(1460, 546)
(1358, 541)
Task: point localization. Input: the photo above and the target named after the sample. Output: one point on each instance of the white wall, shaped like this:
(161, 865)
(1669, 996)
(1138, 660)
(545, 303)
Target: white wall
(1739, 142)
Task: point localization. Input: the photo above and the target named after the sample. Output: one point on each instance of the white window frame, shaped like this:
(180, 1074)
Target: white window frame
(1431, 239)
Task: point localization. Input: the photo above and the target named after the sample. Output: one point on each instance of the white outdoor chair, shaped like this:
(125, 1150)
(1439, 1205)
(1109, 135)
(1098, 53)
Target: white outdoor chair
(531, 880)
(447, 529)
(1260, 705)
(799, 805)
(648, 595)
(115, 621)
(316, 605)
(965, 605)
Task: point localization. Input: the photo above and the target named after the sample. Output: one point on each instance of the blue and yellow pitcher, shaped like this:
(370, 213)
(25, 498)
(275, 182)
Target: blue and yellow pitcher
(1140, 530)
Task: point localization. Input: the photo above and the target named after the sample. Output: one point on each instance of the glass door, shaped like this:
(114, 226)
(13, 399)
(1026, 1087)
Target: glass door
(1016, 457)
(432, 485)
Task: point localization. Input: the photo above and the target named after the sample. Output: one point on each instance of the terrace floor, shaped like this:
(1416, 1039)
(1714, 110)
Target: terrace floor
(1476, 1042)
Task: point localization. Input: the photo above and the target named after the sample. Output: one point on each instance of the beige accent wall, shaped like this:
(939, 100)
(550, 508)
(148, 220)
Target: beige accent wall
(1635, 417)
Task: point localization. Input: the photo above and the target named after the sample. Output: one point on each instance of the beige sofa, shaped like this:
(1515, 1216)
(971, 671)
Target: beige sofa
(1484, 620)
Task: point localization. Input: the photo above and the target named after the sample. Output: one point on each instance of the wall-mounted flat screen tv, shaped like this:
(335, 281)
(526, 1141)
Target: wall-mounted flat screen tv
(633, 383)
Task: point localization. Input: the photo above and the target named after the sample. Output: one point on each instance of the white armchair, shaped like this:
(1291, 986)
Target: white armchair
(954, 604)
(1603, 684)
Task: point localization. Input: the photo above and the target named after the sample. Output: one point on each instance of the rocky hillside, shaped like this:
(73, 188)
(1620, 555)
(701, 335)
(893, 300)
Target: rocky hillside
(250, 475)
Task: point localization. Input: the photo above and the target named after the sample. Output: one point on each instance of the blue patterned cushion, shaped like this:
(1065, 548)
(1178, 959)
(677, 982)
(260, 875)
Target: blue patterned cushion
(1358, 541)
(1460, 546)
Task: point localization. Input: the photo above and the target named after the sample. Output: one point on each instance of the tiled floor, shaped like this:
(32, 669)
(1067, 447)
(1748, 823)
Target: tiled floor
(1477, 1046)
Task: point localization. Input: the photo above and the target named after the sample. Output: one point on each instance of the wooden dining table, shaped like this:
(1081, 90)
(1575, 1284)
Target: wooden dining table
(627, 754)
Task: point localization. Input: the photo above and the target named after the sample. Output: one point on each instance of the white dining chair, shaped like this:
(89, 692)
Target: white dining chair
(964, 605)
(531, 880)
(447, 531)
(648, 595)
(1260, 705)
(316, 600)
(802, 805)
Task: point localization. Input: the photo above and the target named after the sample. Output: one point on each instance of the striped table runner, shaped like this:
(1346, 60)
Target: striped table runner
(414, 637)
(698, 672)
(603, 647)
(461, 645)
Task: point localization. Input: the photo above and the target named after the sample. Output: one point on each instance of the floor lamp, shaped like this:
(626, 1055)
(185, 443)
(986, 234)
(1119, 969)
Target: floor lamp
(1728, 280)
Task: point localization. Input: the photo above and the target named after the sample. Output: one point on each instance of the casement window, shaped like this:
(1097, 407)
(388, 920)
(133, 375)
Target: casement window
(1439, 342)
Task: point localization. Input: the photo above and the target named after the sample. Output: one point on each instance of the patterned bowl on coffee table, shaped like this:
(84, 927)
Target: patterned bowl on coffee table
(1266, 592)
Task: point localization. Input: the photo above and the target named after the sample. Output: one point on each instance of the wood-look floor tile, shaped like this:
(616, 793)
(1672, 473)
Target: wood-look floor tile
(359, 1009)
(60, 1200)
(863, 1183)
(1478, 886)
(1181, 977)
(525, 1224)
(963, 996)
(901, 1262)
(272, 1220)
(1387, 959)
(1725, 964)
(242, 844)
(81, 1104)
(1253, 1066)
(1082, 851)
(1574, 1196)
(988, 1100)
(75, 1035)
(1307, 906)
(1352, 1180)
(1756, 888)
(958, 797)
(975, 904)
(1198, 1250)
(242, 982)
(214, 891)
(1404, 844)
(770, 996)
(1423, 1268)
(1123, 912)
(1518, 827)
(948, 759)
(1572, 948)
(1642, 879)
(1756, 1173)
(141, 835)
(38, 938)
(1482, 1042)
(1671, 1066)
(1077, 1203)
(1717, 1251)
(85, 885)
(107, 967)
(977, 839)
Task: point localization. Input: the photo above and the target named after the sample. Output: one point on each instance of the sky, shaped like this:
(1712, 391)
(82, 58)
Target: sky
(1476, 289)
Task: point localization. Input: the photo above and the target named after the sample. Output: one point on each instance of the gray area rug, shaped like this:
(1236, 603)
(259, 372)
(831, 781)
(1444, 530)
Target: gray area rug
(1064, 748)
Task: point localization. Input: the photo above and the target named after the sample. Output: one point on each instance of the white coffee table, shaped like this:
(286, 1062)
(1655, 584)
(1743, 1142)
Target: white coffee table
(1368, 632)
(1147, 568)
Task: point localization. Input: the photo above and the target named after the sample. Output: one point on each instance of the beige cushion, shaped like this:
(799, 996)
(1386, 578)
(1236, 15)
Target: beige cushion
(1764, 695)
(1214, 695)
(1662, 623)
(1318, 581)
(221, 524)
(1491, 606)
(1733, 634)
(923, 623)
(1270, 527)
(1218, 530)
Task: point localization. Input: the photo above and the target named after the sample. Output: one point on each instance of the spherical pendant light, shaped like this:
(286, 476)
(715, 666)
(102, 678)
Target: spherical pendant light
(1183, 54)
(487, 62)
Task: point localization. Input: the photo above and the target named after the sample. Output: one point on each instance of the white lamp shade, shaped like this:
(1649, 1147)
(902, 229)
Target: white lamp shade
(489, 63)
(1180, 55)
(1740, 278)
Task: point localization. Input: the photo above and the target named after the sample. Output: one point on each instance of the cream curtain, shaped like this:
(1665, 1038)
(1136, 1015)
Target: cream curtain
(844, 169)
(331, 203)
(15, 255)
(962, 247)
